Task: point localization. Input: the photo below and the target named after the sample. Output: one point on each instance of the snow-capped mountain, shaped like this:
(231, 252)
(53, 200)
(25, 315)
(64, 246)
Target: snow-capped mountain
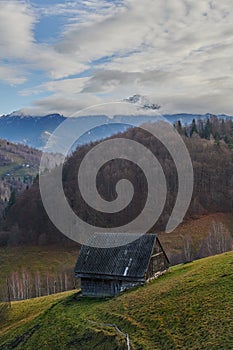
(34, 131)
(142, 102)
(28, 130)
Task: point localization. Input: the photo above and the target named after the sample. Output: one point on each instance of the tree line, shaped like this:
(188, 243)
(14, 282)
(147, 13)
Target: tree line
(21, 285)
(217, 241)
(212, 158)
(210, 128)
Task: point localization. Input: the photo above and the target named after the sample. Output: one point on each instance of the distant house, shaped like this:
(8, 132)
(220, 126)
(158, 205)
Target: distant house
(109, 271)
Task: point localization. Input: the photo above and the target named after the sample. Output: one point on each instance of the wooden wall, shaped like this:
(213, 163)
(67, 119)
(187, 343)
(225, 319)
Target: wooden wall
(100, 287)
(105, 288)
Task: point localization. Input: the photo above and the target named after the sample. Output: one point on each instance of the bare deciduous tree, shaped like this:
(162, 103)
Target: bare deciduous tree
(219, 240)
(25, 285)
(188, 250)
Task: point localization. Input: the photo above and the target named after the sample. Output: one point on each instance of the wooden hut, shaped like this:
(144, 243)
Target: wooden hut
(109, 271)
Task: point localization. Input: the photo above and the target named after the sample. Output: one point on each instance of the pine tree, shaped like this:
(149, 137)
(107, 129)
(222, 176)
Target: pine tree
(179, 127)
(207, 130)
(193, 128)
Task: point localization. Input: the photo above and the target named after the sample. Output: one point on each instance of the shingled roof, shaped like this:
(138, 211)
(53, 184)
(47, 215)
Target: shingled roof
(130, 260)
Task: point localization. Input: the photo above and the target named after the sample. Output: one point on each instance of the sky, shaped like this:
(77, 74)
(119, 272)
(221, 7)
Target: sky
(62, 56)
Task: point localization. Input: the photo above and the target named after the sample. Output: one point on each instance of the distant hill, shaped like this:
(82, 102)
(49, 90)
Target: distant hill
(190, 307)
(19, 166)
(28, 130)
(28, 223)
(35, 130)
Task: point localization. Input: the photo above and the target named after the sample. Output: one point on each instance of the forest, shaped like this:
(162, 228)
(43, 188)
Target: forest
(210, 146)
(26, 222)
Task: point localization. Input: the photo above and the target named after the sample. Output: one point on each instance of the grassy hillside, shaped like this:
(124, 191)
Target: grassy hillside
(194, 232)
(190, 308)
(18, 159)
(28, 272)
(43, 259)
(49, 260)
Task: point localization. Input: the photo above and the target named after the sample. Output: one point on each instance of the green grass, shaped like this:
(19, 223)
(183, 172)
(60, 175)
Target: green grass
(17, 156)
(6, 169)
(190, 307)
(25, 310)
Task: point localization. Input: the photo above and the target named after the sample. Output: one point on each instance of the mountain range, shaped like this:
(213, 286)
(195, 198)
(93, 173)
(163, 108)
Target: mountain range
(34, 131)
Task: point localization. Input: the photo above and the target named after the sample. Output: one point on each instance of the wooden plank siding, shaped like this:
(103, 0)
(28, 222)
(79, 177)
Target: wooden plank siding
(106, 272)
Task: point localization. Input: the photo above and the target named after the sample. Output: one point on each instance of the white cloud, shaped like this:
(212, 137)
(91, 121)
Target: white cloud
(11, 75)
(16, 39)
(60, 87)
(65, 105)
(19, 47)
(216, 103)
(178, 51)
(169, 49)
(16, 29)
(81, 10)
(117, 33)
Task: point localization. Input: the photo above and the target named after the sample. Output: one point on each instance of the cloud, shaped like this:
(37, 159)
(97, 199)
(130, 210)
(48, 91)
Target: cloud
(61, 87)
(16, 29)
(18, 46)
(79, 11)
(65, 105)
(178, 52)
(11, 75)
(114, 34)
(170, 50)
(111, 80)
(16, 39)
(216, 103)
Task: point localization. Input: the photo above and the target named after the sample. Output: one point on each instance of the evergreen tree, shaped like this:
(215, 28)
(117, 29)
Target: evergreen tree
(179, 127)
(193, 127)
(217, 138)
(207, 130)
